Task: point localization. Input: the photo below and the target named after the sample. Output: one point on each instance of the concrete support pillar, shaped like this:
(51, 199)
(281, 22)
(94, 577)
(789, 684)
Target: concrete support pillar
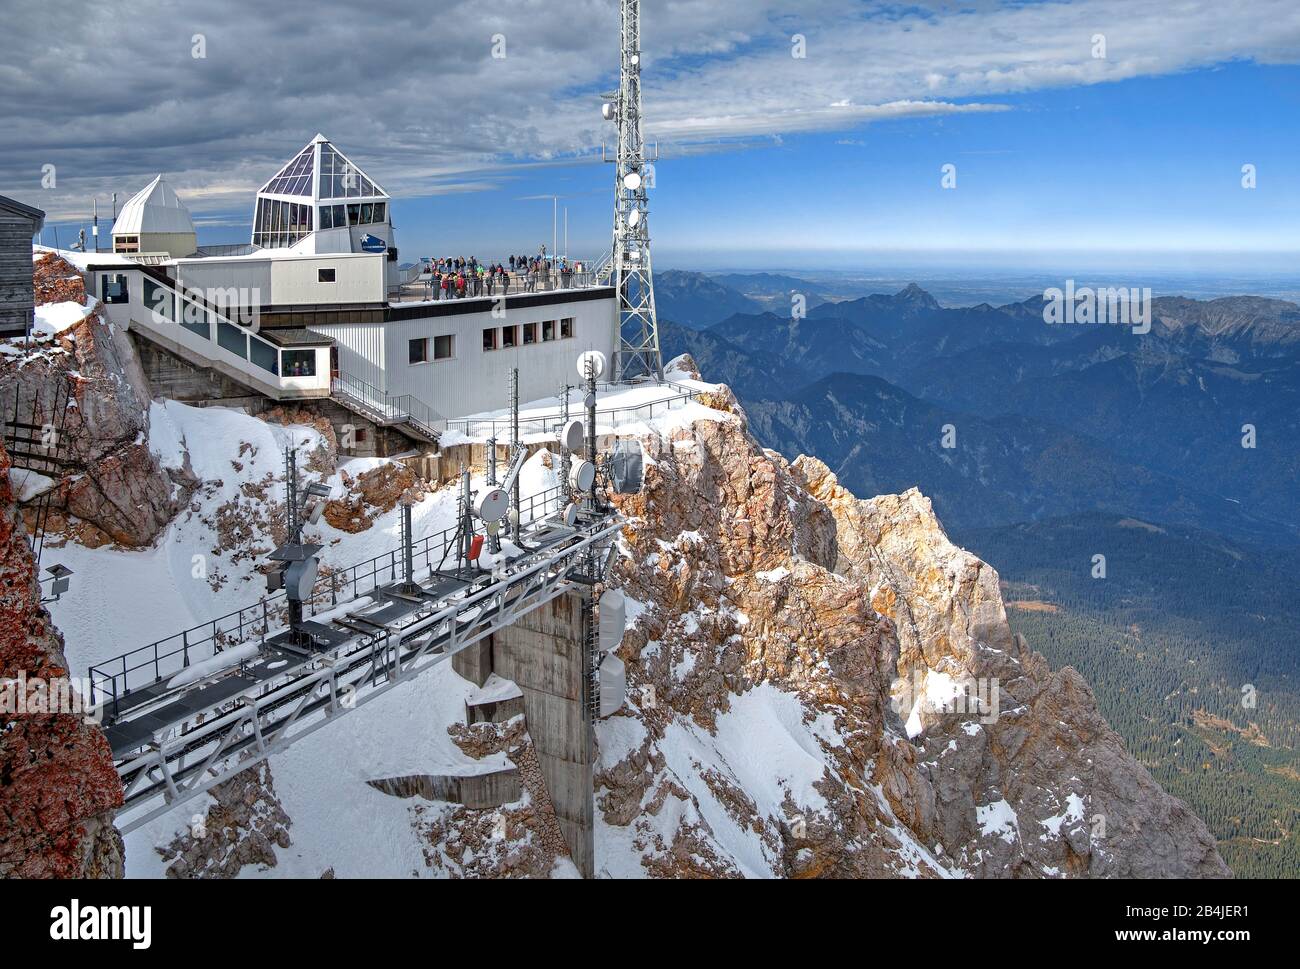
(542, 653)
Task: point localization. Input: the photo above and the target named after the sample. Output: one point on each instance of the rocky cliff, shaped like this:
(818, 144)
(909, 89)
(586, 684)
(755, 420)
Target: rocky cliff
(58, 788)
(112, 489)
(821, 685)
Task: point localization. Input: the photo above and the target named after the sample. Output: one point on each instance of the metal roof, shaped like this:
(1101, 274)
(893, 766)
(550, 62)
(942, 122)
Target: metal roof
(155, 208)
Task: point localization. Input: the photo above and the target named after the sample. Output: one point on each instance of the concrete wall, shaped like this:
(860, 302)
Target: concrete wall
(542, 653)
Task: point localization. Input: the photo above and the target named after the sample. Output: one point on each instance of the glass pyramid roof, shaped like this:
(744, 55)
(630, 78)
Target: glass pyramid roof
(321, 172)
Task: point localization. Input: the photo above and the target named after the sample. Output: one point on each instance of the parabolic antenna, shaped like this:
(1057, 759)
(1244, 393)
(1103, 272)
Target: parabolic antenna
(632, 181)
(582, 476)
(607, 111)
(574, 436)
(634, 218)
(613, 620)
(597, 361)
(493, 505)
(570, 514)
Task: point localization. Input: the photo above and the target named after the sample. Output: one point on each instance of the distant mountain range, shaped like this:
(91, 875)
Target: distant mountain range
(1050, 419)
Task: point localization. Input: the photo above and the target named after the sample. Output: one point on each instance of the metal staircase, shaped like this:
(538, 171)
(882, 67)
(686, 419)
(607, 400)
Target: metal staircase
(407, 413)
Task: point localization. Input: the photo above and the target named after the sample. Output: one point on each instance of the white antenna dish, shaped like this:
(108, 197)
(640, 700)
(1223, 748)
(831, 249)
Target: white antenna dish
(632, 181)
(582, 476)
(574, 436)
(634, 218)
(570, 514)
(613, 620)
(493, 505)
(607, 111)
(597, 361)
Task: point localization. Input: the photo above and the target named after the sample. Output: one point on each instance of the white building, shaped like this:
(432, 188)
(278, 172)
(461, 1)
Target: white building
(154, 220)
(315, 307)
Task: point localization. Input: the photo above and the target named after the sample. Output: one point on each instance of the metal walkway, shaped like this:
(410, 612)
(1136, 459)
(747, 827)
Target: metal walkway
(173, 742)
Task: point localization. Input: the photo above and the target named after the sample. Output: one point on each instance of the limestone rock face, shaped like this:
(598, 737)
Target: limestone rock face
(58, 788)
(805, 676)
(113, 488)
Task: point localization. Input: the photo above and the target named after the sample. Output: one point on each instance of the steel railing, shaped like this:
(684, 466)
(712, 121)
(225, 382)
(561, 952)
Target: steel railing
(608, 418)
(515, 283)
(387, 408)
(112, 681)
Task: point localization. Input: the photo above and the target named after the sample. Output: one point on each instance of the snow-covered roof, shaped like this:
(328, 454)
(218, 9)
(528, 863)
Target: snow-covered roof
(155, 208)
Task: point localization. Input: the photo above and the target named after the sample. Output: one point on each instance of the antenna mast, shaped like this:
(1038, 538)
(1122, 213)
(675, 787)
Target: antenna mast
(637, 336)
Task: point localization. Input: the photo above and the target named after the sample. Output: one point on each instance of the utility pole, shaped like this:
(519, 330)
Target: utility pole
(636, 338)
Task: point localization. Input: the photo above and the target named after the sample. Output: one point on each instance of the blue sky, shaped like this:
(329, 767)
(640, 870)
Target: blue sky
(767, 161)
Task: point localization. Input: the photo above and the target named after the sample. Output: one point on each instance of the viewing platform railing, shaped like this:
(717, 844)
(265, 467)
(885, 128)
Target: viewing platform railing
(609, 418)
(113, 680)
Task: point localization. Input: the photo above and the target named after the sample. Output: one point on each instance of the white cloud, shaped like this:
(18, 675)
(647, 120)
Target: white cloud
(414, 95)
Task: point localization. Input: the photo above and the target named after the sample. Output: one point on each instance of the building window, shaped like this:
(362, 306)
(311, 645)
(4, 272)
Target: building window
(509, 336)
(325, 275)
(114, 288)
(299, 363)
(444, 347)
(566, 328)
(126, 243)
(530, 333)
(417, 351)
(490, 338)
(548, 331)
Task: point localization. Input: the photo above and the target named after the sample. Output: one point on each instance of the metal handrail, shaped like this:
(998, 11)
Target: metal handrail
(515, 283)
(486, 428)
(403, 408)
(111, 681)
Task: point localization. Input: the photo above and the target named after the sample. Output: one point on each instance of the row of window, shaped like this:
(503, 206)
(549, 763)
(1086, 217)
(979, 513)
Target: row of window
(353, 213)
(115, 288)
(526, 334)
(444, 348)
(278, 225)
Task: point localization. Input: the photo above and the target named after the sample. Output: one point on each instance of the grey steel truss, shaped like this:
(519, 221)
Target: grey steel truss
(637, 336)
(213, 744)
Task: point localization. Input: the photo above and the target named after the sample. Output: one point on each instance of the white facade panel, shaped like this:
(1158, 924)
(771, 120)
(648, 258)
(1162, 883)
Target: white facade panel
(308, 280)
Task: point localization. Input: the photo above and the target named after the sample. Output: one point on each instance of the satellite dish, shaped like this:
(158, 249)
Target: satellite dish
(582, 476)
(597, 361)
(626, 467)
(570, 514)
(589, 401)
(300, 578)
(632, 181)
(634, 218)
(607, 111)
(574, 436)
(493, 505)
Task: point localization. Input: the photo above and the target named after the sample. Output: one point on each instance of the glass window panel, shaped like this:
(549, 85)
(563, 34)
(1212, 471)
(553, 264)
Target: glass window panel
(299, 363)
(354, 213)
(379, 211)
(158, 301)
(232, 338)
(367, 211)
(443, 347)
(195, 319)
(326, 222)
(264, 355)
(340, 216)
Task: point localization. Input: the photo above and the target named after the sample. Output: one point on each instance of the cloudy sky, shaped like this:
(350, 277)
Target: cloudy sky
(838, 151)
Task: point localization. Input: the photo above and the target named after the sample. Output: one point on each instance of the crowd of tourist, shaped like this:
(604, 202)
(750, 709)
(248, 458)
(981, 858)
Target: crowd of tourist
(457, 278)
